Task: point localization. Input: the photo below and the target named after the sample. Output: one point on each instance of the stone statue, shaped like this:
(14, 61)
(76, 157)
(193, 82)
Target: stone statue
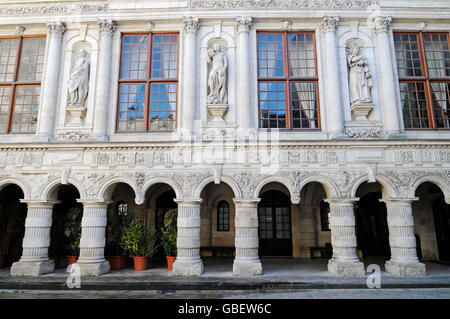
(360, 77)
(217, 78)
(78, 81)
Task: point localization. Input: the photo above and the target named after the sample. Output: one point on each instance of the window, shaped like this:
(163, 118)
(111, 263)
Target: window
(21, 68)
(122, 208)
(423, 63)
(223, 216)
(325, 216)
(288, 81)
(148, 83)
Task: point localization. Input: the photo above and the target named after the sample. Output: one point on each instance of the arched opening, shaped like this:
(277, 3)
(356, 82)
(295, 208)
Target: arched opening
(274, 224)
(65, 232)
(432, 223)
(12, 224)
(372, 233)
(164, 203)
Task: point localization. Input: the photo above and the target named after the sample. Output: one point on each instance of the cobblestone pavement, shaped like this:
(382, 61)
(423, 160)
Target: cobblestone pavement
(414, 293)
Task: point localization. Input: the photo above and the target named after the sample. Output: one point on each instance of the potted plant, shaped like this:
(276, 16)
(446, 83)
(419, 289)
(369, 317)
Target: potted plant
(169, 237)
(139, 243)
(72, 233)
(117, 223)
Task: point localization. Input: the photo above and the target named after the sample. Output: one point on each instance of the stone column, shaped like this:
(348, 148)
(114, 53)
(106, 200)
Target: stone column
(335, 117)
(246, 262)
(92, 260)
(189, 76)
(51, 82)
(188, 262)
(243, 75)
(345, 261)
(404, 261)
(391, 117)
(102, 106)
(34, 260)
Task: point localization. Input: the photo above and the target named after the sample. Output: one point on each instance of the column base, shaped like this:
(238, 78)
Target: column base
(92, 269)
(189, 268)
(346, 268)
(32, 268)
(414, 269)
(247, 267)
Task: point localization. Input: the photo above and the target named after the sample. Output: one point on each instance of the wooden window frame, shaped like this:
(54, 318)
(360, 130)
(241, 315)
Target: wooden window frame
(225, 227)
(15, 83)
(425, 79)
(288, 79)
(147, 81)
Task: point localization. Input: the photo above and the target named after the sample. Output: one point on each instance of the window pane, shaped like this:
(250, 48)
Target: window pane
(163, 106)
(272, 104)
(32, 60)
(134, 57)
(5, 95)
(270, 55)
(8, 52)
(304, 105)
(131, 107)
(414, 106)
(407, 54)
(301, 55)
(223, 215)
(26, 109)
(437, 54)
(164, 56)
(441, 103)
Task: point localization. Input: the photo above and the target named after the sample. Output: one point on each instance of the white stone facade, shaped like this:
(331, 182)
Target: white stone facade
(342, 155)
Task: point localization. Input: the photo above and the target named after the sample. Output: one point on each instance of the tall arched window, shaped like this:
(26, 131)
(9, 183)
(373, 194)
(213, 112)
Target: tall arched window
(223, 216)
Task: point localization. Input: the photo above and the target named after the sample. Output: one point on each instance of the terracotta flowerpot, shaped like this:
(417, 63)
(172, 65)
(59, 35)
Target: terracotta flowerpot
(2, 259)
(57, 261)
(170, 261)
(71, 260)
(116, 262)
(140, 263)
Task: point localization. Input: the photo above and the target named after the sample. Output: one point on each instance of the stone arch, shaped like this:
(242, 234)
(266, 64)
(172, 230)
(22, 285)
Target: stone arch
(224, 179)
(109, 185)
(439, 182)
(156, 180)
(330, 187)
(294, 193)
(388, 188)
(15, 181)
(50, 190)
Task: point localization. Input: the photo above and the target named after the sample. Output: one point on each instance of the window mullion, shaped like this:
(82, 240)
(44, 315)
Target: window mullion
(13, 86)
(286, 73)
(428, 94)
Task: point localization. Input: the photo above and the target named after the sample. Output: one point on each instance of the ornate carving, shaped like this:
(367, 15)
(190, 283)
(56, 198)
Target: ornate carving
(57, 9)
(73, 136)
(107, 27)
(20, 30)
(191, 24)
(305, 4)
(406, 156)
(217, 77)
(359, 77)
(329, 24)
(364, 133)
(92, 183)
(244, 23)
(79, 80)
(382, 24)
(246, 182)
(57, 28)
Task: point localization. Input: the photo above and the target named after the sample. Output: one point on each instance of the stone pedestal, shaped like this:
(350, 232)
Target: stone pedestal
(188, 262)
(217, 111)
(77, 114)
(345, 260)
(246, 262)
(361, 111)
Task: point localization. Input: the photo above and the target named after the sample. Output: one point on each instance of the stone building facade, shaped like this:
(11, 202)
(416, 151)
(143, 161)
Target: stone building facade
(274, 125)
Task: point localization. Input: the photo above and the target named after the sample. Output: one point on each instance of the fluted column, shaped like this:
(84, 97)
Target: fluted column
(345, 261)
(333, 109)
(189, 76)
(188, 262)
(404, 261)
(246, 261)
(391, 116)
(36, 241)
(92, 243)
(102, 106)
(243, 75)
(51, 82)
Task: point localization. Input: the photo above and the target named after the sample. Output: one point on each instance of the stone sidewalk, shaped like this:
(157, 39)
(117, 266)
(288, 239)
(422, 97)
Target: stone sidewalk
(279, 274)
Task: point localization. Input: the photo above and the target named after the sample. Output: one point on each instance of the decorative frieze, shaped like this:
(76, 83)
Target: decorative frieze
(73, 136)
(57, 9)
(281, 4)
(364, 132)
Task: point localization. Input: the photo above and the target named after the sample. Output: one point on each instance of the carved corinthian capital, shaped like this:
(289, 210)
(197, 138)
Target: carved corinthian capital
(191, 24)
(329, 24)
(107, 27)
(244, 23)
(382, 24)
(57, 28)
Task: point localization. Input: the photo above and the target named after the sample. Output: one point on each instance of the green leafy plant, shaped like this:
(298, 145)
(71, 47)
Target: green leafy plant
(137, 240)
(115, 229)
(72, 231)
(169, 233)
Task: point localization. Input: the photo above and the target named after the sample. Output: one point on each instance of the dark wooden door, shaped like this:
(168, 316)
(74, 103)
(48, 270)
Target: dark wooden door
(441, 214)
(274, 216)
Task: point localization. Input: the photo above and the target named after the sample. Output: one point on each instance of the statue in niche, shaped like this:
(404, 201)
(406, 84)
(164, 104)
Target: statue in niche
(217, 78)
(78, 81)
(360, 77)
